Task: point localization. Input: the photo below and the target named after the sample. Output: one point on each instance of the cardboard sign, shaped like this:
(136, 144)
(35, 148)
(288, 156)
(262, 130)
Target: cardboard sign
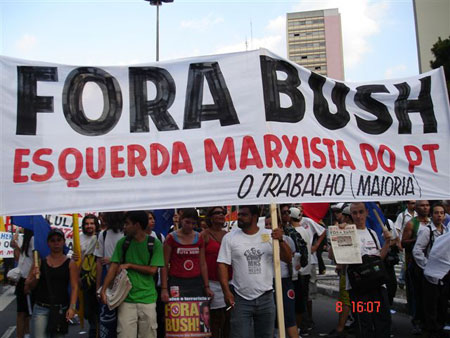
(5, 245)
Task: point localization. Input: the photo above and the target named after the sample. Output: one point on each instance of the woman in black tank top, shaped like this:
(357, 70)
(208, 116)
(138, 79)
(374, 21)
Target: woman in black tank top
(50, 282)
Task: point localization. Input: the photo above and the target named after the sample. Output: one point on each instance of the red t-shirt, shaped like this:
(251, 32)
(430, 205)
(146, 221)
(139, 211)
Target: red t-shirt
(185, 258)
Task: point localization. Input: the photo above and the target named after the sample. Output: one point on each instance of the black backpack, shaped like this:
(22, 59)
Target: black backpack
(126, 245)
(300, 244)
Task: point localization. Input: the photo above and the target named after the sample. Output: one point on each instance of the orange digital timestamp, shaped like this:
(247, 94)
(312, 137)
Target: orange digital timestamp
(359, 307)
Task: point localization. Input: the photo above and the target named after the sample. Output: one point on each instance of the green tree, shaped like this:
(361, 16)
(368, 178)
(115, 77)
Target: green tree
(441, 51)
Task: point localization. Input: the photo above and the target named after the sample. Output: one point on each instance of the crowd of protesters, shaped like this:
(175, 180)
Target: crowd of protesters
(232, 264)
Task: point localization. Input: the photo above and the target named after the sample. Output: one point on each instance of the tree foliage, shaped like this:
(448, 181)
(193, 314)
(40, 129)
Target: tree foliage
(441, 51)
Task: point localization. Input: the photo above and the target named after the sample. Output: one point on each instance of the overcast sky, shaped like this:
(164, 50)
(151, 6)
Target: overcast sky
(379, 36)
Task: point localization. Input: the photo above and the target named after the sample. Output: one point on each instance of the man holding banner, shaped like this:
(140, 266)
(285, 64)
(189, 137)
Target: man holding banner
(248, 250)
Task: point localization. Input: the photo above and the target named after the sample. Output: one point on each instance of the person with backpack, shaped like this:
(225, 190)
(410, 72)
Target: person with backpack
(104, 249)
(88, 271)
(301, 267)
(366, 282)
(414, 276)
(141, 255)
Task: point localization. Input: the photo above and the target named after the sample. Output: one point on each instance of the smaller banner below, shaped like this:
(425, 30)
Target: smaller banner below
(5, 245)
(187, 317)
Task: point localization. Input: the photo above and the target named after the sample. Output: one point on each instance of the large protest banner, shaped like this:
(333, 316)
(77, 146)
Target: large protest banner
(248, 128)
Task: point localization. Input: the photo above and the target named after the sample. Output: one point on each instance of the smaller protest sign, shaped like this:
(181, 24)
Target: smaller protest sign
(345, 244)
(187, 317)
(6, 251)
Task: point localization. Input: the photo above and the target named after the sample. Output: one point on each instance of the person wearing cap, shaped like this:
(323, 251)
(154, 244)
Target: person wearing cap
(301, 285)
(337, 210)
(314, 229)
(53, 275)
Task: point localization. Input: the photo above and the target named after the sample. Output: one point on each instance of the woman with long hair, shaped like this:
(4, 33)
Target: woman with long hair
(106, 244)
(50, 282)
(25, 254)
(212, 236)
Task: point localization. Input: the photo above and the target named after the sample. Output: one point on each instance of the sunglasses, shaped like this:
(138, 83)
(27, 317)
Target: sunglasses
(219, 213)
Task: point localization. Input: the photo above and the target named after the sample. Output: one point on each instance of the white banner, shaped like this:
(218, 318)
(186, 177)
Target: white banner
(243, 128)
(6, 251)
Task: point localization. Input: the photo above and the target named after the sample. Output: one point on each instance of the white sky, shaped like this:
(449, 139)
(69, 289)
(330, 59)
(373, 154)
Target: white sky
(379, 36)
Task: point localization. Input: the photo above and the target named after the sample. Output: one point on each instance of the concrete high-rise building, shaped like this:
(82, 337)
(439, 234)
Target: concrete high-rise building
(432, 21)
(314, 41)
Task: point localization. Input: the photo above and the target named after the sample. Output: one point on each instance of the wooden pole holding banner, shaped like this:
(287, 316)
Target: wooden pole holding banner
(277, 270)
(77, 251)
(383, 227)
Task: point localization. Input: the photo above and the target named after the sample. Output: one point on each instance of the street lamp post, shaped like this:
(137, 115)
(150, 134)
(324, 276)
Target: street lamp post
(157, 3)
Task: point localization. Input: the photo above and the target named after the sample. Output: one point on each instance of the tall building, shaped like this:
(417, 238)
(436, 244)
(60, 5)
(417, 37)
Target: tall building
(314, 41)
(432, 21)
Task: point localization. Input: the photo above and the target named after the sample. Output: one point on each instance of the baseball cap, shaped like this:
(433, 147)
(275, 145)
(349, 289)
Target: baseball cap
(55, 231)
(295, 212)
(338, 207)
(346, 211)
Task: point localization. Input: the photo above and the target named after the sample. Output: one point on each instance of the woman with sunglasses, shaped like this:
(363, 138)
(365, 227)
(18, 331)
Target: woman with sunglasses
(212, 236)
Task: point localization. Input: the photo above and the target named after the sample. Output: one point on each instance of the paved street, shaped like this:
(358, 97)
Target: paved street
(325, 315)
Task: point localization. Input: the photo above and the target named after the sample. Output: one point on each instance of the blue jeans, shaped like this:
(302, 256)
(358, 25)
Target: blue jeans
(39, 323)
(257, 315)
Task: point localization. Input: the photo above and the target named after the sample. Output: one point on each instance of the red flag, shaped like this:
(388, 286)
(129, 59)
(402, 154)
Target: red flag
(315, 211)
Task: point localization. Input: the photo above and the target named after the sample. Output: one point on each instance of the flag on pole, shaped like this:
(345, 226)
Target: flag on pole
(315, 211)
(40, 228)
(372, 220)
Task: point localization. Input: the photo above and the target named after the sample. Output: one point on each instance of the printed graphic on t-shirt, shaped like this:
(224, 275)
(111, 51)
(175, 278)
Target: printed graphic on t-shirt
(188, 265)
(188, 251)
(254, 260)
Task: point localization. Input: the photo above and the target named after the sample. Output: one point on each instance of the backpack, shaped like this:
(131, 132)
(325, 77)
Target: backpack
(126, 244)
(300, 244)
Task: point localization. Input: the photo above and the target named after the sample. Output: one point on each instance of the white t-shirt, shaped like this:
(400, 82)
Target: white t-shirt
(284, 267)
(368, 247)
(402, 219)
(314, 229)
(88, 244)
(25, 261)
(251, 258)
(106, 248)
(306, 235)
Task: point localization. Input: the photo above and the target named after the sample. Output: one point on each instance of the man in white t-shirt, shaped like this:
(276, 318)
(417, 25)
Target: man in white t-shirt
(88, 271)
(373, 310)
(248, 250)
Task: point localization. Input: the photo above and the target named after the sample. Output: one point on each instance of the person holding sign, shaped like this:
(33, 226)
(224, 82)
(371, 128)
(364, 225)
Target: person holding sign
(369, 294)
(185, 265)
(248, 250)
